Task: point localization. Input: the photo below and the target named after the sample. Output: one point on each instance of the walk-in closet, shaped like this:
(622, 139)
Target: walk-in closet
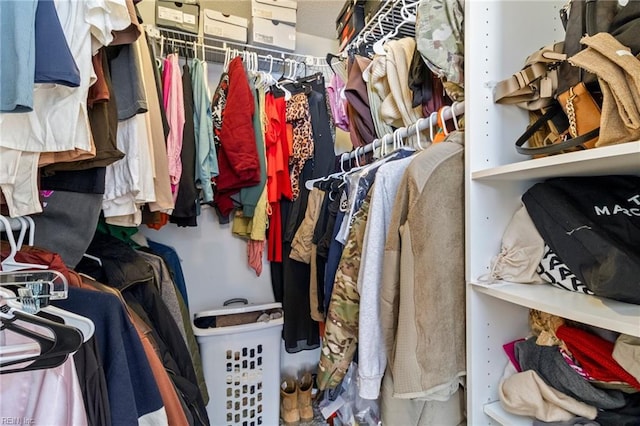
(309, 213)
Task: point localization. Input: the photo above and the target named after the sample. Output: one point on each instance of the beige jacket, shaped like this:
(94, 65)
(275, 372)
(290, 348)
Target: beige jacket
(422, 304)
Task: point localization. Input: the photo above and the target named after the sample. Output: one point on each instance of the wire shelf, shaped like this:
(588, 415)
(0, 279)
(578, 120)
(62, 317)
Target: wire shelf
(395, 17)
(213, 49)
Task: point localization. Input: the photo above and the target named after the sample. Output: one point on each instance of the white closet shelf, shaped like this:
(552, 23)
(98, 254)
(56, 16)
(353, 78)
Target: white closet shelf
(503, 417)
(624, 158)
(601, 312)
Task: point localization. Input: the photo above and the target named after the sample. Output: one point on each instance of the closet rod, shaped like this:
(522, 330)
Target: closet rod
(456, 109)
(220, 46)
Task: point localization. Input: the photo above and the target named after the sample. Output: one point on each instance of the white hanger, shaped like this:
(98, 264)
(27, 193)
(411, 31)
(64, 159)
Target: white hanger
(23, 232)
(432, 124)
(256, 62)
(84, 324)
(384, 148)
(378, 48)
(454, 117)
(418, 143)
(10, 263)
(227, 58)
(343, 157)
(398, 142)
(32, 230)
(443, 121)
(409, 18)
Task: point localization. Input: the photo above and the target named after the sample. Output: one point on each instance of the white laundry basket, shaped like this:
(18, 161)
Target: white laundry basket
(241, 363)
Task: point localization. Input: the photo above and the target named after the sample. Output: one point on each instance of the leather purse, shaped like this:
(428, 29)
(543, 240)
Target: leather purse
(557, 127)
(582, 112)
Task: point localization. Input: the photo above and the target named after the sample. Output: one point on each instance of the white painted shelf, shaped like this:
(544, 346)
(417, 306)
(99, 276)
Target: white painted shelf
(598, 311)
(498, 36)
(503, 417)
(623, 158)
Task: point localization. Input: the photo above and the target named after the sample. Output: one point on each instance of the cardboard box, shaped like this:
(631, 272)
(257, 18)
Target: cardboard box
(223, 26)
(275, 10)
(270, 33)
(178, 15)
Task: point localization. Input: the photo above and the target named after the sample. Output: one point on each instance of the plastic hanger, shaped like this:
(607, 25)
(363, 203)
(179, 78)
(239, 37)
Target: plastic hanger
(227, 58)
(417, 142)
(329, 58)
(378, 48)
(432, 122)
(384, 145)
(10, 263)
(23, 232)
(54, 348)
(409, 18)
(454, 117)
(83, 324)
(343, 157)
(86, 327)
(32, 229)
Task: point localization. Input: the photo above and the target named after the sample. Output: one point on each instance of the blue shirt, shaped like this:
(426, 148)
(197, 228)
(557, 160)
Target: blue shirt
(54, 61)
(17, 54)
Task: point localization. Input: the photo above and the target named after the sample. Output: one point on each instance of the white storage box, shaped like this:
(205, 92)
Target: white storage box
(241, 363)
(273, 34)
(177, 15)
(228, 27)
(276, 10)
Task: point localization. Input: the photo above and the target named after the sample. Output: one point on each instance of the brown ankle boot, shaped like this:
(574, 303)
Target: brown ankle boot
(304, 398)
(289, 402)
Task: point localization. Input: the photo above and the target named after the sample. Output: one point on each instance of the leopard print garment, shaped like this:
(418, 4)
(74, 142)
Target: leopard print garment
(297, 113)
(217, 107)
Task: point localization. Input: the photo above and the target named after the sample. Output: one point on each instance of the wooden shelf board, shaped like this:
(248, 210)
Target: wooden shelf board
(624, 158)
(500, 415)
(598, 311)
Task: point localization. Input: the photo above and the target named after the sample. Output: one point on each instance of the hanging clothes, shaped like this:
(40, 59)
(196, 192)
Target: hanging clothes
(18, 61)
(297, 114)
(123, 269)
(205, 164)
(250, 195)
(361, 127)
(155, 125)
(337, 102)
(278, 177)
(396, 109)
(50, 41)
(103, 120)
(237, 157)
(59, 120)
(372, 361)
(186, 207)
(440, 40)
(341, 329)
(173, 103)
(22, 391)
(300, 332)
(204, 127)
(427, 216)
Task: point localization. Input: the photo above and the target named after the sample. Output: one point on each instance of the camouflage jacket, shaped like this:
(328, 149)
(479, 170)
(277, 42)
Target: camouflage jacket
(440, 41)
(341, 328)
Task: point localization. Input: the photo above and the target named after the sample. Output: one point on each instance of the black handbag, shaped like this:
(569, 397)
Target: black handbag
(593, 225)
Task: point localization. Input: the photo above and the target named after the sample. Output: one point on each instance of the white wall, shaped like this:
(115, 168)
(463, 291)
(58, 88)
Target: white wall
(214, 261)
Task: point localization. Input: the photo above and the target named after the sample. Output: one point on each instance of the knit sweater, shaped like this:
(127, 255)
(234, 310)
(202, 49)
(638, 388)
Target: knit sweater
(422, 303)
